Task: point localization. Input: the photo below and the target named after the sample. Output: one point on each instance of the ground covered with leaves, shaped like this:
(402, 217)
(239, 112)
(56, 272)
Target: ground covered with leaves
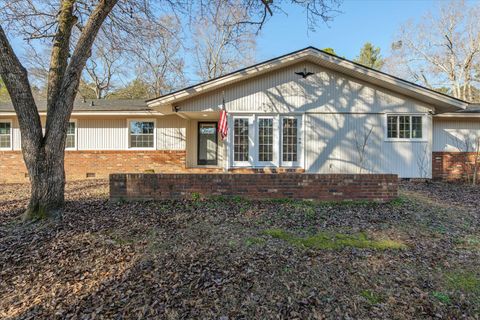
(229, 258)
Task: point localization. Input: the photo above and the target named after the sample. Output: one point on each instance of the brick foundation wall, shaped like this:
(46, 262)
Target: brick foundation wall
(98, 163)
(377, 187)
(453, 165)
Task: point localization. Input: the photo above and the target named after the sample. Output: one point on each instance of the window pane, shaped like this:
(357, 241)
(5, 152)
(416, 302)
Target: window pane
(142, 134)
(289, 132)
(265, 139)
(5, 135)
(4, 141)
(417, 127)
(70, 142)
(392, 122)
(404, 126)
(240, 140)
(71, 128)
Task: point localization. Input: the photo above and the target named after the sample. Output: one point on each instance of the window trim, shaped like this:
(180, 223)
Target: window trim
(11, 134)
(424, 126)
(76, 136)
(154, 133)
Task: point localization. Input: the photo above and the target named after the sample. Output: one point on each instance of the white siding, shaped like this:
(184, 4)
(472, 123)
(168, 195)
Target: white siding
(283, 91)
(450, 134)
(331, 146)
(102, 134)
(171, 133)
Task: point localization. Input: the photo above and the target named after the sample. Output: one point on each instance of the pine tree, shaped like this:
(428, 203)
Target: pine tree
(370, 57)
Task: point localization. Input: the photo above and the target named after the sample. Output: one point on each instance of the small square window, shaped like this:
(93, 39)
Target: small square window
(141, 134)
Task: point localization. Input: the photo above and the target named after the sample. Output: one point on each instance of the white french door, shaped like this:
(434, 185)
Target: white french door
(291, 141)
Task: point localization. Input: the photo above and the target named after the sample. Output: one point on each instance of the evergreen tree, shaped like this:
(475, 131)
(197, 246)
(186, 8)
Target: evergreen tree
(370, 57)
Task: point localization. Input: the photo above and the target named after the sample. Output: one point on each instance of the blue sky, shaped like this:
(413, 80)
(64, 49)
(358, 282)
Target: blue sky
(376, 21)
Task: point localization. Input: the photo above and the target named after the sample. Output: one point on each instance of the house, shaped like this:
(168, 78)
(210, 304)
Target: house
(307, 111)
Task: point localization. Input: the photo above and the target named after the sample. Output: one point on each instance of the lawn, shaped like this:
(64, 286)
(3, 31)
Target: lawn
(230, 258)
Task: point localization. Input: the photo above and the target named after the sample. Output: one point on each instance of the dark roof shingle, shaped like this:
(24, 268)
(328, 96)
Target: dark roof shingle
(90, 105)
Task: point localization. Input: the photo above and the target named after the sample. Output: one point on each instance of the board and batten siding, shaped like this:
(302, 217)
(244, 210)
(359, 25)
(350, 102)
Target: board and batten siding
(334, 145)
(283, 91)
(450, 134)
(336, 109)
(111, 133)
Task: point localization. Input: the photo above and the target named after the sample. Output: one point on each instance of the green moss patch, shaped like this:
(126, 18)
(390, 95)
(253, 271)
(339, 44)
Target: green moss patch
(326, 240)
(463, 281)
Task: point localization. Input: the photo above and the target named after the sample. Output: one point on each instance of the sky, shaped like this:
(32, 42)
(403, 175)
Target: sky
(376, 21)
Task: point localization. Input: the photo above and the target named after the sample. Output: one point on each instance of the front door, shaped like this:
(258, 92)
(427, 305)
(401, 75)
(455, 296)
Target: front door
(207, 143)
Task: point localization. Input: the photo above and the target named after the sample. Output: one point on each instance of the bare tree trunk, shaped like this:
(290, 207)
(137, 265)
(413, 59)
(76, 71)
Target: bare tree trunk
(47, 179)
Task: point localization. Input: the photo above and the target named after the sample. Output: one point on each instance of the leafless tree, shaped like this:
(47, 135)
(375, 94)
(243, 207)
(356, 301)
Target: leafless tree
(157, 55)
(469, 147)
(361, 143)
(221, 43)
(101, 68)
(70, 28)
(441, 50)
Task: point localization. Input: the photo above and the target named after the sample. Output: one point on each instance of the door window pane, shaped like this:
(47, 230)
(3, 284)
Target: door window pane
(207, 143)
(289, 138)
(240, 139)
(265, 139)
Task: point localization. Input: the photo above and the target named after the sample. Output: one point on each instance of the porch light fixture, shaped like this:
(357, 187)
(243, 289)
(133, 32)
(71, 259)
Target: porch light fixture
(175, 108)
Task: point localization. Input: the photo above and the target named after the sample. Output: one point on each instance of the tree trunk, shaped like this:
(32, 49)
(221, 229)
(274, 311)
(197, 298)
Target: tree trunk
(47, 178)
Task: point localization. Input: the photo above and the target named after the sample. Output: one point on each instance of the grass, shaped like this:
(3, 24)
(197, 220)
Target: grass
(464, 281)
(372, 297)
(326, 240)
(254, 241)
(442, 297)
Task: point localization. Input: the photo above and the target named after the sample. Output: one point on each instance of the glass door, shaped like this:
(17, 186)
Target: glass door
(207, 143)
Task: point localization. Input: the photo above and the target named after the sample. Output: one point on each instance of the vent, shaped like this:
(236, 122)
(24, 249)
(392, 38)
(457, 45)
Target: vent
(90, 175)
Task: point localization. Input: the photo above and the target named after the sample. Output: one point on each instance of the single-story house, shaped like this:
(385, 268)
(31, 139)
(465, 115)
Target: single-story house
(307, 111)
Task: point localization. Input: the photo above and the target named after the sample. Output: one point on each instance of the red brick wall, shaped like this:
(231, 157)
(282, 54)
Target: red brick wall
(378, 187)
(452, 165)
(100, 163)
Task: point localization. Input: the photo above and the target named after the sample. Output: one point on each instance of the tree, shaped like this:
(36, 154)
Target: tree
(100, 70)
(70, 28)
(137, 89)
(441, 50)
(221, 43)
(3, 92)
(330, 50)
(159, 64)
(370, 57)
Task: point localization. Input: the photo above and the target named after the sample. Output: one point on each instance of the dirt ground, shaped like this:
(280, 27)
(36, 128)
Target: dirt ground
(230, 258)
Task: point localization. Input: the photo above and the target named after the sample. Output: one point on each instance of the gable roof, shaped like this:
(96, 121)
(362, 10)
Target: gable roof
(443, 102)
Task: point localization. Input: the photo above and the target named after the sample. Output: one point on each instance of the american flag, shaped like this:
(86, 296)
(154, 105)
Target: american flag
(223, 123)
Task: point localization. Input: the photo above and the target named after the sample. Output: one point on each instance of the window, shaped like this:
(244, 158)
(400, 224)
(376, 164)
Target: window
(289, 139)
(71, 142)
(265, 139)
(240, 139)
(404, 127)
(5, 135)
(142, 134)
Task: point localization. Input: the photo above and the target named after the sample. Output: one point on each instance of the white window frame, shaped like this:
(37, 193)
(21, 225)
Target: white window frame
(76, 135)
(299, 162)
(154, 133)
(424, 127)
(11, 133)
(251, 136)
